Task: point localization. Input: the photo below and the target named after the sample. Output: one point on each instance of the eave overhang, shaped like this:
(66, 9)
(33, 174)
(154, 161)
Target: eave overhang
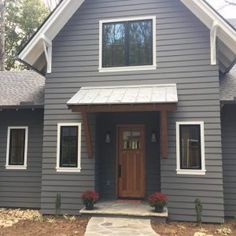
(225, 48)
(38, 51)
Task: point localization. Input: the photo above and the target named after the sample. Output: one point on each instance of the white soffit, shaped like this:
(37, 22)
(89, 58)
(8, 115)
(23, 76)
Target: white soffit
(210, 18)
(139, 94)
(49, 30)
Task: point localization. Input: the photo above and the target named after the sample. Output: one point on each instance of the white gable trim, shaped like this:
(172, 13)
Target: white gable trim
(49, 31)
(214, 22)
(36, 47)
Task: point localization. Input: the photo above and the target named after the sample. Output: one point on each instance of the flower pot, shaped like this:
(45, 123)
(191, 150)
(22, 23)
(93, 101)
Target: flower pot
(159, 209)
(89, 206)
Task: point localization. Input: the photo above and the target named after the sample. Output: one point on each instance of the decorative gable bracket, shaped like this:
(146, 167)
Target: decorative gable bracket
(213, 38)
(47, 46)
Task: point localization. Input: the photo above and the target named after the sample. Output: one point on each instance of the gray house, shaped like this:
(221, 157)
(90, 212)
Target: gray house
(139, 97)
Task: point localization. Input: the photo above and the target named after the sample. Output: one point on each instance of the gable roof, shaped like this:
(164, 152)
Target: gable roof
(21, 89)
(37, 52)
(33, 53)
(225, 32)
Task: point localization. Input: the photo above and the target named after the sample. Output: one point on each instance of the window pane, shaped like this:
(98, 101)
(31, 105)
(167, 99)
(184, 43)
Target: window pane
(17, 147)
(69, 146)
(190, 147)
(128, 43)
(113, 44)
(140, 43)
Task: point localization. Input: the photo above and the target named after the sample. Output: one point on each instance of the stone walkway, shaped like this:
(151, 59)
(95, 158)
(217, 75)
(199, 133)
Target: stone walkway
(106, 226)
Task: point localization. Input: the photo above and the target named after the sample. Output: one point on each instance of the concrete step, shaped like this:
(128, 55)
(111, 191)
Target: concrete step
(125, 210)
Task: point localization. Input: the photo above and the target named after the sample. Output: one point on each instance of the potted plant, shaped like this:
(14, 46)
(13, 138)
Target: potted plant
(158, 201)
(89, 199)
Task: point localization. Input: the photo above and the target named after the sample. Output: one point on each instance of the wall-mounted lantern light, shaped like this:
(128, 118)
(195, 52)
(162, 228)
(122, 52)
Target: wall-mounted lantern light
(154, 137)
(108, 137)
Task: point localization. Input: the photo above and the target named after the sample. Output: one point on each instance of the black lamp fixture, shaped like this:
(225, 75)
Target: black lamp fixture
(108, 137)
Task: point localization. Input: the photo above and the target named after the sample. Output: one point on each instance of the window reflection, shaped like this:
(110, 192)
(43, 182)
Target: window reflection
(127, 43)
(131, 140)
(190, 147)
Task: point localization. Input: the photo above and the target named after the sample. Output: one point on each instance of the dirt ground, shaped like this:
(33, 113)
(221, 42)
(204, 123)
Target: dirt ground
(191, 229)
(15, 222)
(47, 227)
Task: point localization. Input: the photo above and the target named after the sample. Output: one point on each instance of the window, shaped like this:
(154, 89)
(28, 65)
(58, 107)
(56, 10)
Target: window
(190, 148)
(17, 144)
(128, 44)
(68, 147)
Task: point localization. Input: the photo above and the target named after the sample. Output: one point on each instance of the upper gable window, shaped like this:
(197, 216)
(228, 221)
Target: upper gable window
(128, 44)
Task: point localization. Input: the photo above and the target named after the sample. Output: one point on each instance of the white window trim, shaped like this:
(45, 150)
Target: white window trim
(17, 167)
(128, 68)
(68, 169)
(187, 171)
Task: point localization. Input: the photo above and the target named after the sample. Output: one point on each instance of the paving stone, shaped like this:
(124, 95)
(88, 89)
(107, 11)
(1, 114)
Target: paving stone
(108, 226)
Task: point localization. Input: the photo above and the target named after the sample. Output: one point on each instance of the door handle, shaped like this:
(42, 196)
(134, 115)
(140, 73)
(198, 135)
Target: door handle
(119, 171)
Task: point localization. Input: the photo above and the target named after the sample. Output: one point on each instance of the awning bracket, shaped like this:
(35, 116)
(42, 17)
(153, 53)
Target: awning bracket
(88, 135)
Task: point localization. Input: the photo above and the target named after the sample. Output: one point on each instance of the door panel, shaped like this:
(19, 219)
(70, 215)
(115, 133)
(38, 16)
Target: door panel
(131, 179)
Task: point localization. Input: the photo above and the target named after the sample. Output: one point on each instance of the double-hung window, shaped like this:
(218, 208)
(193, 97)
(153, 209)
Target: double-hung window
(68, 147)
(190, 148)
(17, 145)
(128, 44)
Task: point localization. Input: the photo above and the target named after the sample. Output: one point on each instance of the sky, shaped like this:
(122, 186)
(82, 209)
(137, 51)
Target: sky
(225, 9)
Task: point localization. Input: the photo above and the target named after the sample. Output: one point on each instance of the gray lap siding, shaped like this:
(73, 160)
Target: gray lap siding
(183, 57)
(22, 188)
(229, 158)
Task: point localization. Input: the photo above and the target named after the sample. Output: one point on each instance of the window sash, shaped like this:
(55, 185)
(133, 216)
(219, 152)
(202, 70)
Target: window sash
(68, 147)
(17, 147)
(127, 45)
(187, 152)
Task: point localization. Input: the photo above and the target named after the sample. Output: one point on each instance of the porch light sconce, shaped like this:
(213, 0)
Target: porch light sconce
(154, 137)
(108, 137)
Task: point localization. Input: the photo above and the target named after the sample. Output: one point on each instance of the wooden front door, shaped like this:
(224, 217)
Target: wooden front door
(131, 161)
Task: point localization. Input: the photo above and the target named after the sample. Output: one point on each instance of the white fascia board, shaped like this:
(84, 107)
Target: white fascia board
(49, 30)
(209, 17)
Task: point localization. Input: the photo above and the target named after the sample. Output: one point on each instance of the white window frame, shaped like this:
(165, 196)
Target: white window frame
(68, 169)
(17, 167)
(202, 171)
(127, 68)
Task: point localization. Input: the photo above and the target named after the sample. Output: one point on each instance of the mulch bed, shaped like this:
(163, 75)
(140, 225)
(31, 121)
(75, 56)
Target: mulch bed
(47, 227)
(191, 229)
(16, 222)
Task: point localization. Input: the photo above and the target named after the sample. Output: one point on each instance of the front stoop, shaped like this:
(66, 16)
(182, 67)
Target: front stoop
(126, 210)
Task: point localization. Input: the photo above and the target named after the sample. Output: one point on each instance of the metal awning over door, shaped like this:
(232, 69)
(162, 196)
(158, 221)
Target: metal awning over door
(138, 98)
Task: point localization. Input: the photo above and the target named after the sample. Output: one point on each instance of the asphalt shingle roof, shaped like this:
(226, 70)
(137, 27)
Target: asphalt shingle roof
(23, 88)
(228, 86)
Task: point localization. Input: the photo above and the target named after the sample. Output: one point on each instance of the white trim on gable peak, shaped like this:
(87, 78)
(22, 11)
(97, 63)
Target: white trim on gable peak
(38, 52)
(41, 42)
(219, 28)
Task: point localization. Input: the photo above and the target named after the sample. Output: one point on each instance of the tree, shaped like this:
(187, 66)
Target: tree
(22, 18)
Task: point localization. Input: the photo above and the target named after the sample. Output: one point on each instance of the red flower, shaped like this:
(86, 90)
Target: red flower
(157, 199)
(90, 196)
